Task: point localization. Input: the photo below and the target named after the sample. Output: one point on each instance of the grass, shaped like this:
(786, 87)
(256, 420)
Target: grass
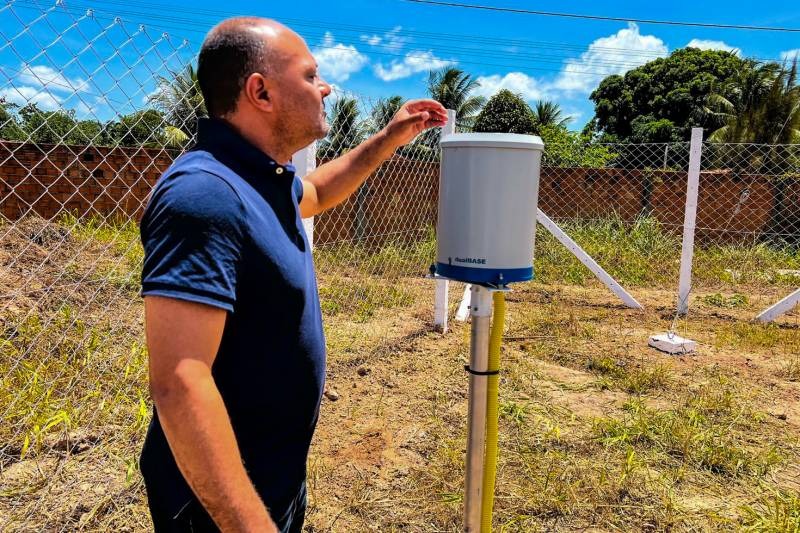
(597, 431)
(702, 431)
(630, 377)
(361, 298)
(644, 253)
(778, 512)
(734, 301)
(751, 335)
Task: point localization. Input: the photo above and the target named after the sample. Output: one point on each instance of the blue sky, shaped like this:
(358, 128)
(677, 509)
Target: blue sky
(371, 48)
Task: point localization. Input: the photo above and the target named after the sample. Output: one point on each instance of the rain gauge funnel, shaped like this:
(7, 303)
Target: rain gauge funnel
(488, 192)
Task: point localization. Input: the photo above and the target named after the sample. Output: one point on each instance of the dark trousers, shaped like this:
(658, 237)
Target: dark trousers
(193, 518)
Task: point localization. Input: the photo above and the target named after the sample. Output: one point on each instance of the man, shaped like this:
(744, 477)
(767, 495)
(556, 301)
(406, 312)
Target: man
(233, 324)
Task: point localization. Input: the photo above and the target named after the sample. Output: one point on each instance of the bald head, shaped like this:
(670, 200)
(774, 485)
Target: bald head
(232, 50)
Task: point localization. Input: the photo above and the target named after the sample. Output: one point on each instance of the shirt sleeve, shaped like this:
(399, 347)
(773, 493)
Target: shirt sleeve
(192, 233)
(297, 186)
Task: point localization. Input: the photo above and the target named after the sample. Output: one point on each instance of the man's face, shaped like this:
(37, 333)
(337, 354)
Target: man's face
(300, 92)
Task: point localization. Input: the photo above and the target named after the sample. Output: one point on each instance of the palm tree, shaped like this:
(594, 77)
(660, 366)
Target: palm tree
(737, 113)
(453, 88)
(347, 129)
(383, 112)
(547, 113)
(763, 106)
(182, 103)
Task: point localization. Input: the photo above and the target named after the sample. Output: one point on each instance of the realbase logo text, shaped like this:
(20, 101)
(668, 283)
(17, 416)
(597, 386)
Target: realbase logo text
(471, 260)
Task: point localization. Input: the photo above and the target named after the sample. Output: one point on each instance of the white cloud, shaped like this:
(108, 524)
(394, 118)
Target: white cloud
(790, 55)
(25, 94)
(615, 54)
(574, 114)
(338, 61)
(516, 82)
(705, 44)
(372, 40)
(44, 76)
(412, 63)
(390, 41)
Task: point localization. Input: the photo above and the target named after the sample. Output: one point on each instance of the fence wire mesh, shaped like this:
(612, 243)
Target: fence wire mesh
(87, 124)
(385, 231)
(94, 108)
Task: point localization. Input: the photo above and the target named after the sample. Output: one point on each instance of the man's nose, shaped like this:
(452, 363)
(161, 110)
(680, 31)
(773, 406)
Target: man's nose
(324, 88)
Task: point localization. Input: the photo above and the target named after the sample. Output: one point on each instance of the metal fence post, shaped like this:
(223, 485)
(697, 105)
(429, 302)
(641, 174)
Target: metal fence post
(689, 220)
(305, 161)
(441, 297)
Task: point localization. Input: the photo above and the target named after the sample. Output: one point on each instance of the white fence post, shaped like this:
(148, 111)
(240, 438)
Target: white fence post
(587, 260)
(441, 297)
(689, 220)
(784, 306)
(305, 161)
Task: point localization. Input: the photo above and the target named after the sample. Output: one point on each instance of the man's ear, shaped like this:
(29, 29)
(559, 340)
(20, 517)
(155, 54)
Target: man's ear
(256, 90)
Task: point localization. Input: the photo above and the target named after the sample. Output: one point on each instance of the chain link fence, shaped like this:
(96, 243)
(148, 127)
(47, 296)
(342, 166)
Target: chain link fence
(93, 109)
(625, 205)
(87, 126)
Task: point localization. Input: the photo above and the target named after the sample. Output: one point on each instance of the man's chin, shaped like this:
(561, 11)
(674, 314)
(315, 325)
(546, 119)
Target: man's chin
(323, 131)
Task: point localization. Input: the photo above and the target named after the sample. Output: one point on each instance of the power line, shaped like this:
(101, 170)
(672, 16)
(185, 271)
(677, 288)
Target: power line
(593, 68)
(601, 17)
(184, 25)
(458, 38)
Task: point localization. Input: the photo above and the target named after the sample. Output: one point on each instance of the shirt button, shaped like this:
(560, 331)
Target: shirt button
(279, 170)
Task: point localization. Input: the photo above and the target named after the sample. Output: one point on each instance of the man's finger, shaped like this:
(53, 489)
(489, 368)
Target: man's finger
(412, 118)
(427, 105)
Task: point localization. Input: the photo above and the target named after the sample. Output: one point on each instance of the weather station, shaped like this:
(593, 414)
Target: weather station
(488, 195)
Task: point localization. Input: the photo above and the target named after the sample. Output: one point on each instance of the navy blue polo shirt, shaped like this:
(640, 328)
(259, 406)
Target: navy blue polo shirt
(223, 228)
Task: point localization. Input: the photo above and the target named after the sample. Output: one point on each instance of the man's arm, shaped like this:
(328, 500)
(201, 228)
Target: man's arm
(183, 339)
(334, 181)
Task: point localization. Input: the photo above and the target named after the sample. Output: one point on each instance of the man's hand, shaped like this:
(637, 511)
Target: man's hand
(414, 117)
(334, 181)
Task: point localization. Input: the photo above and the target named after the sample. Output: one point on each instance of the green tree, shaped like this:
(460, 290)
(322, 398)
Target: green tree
(181, 102)
(384, 110)
(669, 94)
(453, 88)
(547, 113)
(46, 127)
(141, 128)
(57, 127)
(347, 129)
(564, 148)
(762, 105)
(10, 129)
(647, 129)
(506, 112)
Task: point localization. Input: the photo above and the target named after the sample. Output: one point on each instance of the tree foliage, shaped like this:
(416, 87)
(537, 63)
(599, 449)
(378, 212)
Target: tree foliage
(347, 129)
(30, 123)
(9, 125)
(760, 104)
(505, 112)
(564, 148)
(662, 100)
(547, 113)
(384, 110)
(52, 127)
(181, 102)
(142, 128)
(454, 88)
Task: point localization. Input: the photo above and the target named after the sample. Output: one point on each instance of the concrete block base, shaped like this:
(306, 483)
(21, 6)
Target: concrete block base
(672, 344)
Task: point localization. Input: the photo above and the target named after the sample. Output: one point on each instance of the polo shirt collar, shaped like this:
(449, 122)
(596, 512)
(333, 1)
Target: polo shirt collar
(236, 152)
